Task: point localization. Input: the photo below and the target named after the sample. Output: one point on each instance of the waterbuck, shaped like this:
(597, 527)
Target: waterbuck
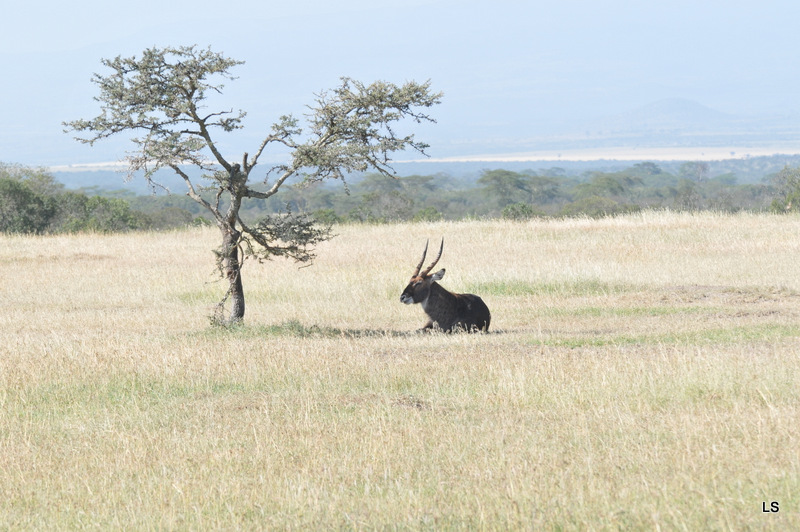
(447, 311)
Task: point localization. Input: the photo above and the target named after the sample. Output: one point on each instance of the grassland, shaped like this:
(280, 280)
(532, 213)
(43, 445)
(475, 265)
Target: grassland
(642, 373)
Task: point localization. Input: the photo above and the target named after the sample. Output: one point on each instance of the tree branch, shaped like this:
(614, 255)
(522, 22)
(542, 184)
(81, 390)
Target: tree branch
(204, 133)
(192, 193)
(250, 193)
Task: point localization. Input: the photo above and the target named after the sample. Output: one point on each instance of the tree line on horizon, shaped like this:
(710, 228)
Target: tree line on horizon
(32, 201)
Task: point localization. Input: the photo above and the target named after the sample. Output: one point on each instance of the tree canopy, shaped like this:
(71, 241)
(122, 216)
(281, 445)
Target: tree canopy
(162, 97)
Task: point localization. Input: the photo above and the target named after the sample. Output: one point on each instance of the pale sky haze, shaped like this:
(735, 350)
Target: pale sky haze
(509, 70)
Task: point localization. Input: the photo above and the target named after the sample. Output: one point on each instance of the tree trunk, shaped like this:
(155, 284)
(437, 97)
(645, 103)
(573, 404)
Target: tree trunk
(230, 250)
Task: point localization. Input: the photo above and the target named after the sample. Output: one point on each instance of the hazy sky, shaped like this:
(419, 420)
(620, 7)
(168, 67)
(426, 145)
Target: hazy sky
(508, 69)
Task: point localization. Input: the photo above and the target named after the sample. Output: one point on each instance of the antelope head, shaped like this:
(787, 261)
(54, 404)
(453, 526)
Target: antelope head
(419, 287)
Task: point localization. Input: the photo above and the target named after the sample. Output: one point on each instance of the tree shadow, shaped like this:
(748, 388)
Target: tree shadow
(295, 328)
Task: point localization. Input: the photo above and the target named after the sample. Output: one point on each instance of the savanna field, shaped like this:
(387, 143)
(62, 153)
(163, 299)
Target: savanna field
(641, 372)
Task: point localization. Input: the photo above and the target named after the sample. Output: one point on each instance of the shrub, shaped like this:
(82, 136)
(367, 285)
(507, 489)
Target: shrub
(519, 211)
(597, 207)
(428, 214)
(22, 210)
(327, 217)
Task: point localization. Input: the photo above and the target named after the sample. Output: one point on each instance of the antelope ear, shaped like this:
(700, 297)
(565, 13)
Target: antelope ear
(438, 275)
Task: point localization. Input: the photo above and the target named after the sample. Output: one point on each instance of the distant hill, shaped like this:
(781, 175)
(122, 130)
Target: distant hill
(670, 115)
(668, 123)
(678, 121)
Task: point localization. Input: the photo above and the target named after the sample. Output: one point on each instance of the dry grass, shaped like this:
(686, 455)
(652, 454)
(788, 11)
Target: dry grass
(642, 373)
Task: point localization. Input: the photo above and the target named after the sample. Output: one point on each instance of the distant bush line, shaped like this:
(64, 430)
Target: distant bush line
(32, 201)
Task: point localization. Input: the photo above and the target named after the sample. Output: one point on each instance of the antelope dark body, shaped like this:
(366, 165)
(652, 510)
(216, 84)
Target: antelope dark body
(446, 311)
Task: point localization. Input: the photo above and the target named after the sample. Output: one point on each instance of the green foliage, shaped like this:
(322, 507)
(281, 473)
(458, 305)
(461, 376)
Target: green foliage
(518, 211)
(161, 95)
(617, 186)
(285, 234)
(81, 213)
(32, 201)
(428, 214)
(687, 196)
(600, 186)
(39, 180)
(170, 217)
(26, 203)
(351, 128)
(646, 169)
(544, 189)
(327, 216)
(787, 184)
(504, 186)
(597, 207)
(694, 170)
(391, 206)
(22, 210)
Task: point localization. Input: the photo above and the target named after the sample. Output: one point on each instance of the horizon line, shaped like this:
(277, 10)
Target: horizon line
(665, 154)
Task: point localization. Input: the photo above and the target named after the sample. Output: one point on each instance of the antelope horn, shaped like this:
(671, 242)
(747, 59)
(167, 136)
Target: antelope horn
(419, 266)
(441, 247)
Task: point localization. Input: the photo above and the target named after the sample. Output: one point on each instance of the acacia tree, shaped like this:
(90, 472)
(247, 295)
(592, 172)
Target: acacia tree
(162, 97)
(506, 186)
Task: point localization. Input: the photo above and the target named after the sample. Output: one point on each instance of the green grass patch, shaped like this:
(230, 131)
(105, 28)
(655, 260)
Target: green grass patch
(205, 295)
(733, 335)
(625, 311)
(66, 399)
(581, 287)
